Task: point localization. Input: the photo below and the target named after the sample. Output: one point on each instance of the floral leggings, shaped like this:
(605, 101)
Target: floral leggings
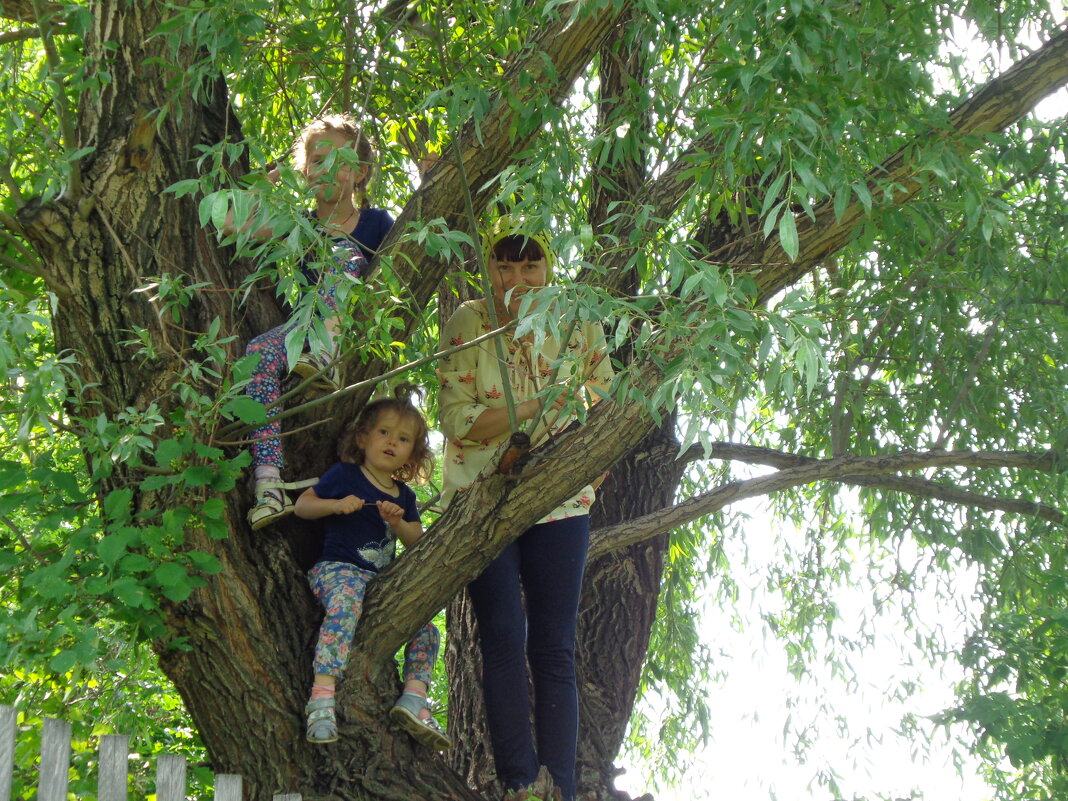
(340, 587)
(265, 385)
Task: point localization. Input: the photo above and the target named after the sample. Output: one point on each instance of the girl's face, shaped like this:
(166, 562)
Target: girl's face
(516, 276)
(330, 185)
(388, 445)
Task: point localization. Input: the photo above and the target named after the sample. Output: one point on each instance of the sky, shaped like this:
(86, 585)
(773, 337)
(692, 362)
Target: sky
(751, 757)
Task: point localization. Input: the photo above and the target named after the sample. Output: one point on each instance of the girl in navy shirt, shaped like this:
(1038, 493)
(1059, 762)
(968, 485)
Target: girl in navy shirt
(365, 504)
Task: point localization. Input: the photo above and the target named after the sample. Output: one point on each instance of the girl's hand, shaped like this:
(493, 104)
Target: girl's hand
(348, 505)
(390, 512)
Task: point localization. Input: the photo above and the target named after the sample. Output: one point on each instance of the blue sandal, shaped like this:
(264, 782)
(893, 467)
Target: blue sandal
(322, 722)
(405, 713)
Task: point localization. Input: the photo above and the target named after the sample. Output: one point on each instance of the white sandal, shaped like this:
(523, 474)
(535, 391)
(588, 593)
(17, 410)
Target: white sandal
(272, 502)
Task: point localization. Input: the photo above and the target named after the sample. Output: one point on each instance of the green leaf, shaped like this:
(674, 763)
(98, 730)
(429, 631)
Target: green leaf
(788, 235)
(63, 662)
(117, 504)
(245, 409)
(170, 573)
(197, 475)
(114, 546)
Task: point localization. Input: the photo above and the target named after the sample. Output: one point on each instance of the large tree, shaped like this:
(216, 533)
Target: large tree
(820, 242)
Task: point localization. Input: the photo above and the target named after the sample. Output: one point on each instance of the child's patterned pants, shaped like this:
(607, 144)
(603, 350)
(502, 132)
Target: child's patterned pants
(340, 588)
(265, 385)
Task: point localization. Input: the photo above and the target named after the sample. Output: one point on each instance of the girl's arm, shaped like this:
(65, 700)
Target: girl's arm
(264, 231)
(311, 507)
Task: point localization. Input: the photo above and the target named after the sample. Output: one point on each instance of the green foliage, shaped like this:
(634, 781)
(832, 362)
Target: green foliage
(941, 326)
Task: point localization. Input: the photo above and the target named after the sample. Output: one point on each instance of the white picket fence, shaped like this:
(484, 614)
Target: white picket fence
(114, 755)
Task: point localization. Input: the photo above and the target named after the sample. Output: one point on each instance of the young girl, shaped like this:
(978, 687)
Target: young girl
(365, 503)
(356, 231)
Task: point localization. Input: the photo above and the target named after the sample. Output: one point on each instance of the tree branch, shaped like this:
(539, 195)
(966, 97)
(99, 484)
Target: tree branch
(796, 470)
(23, 10)
(488, 146)
(997, 105)
(21, 34)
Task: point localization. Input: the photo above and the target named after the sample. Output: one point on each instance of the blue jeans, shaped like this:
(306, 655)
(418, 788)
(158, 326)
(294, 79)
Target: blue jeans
(549, 559)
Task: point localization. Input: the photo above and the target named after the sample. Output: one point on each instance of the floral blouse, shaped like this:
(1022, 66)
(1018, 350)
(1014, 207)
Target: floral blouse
(470, 382)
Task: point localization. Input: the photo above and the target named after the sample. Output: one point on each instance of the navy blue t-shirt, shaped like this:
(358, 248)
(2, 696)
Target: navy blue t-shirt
(360, 538)
(371, 229)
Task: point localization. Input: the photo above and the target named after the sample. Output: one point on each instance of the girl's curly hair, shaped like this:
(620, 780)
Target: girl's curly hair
(420, 465)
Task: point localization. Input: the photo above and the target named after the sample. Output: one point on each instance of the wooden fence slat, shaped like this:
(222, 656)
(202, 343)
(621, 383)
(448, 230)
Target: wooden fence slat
(113, 781)
(170, 778)
(55, 761)
(7, 750)
(114, 759)
(227, 787)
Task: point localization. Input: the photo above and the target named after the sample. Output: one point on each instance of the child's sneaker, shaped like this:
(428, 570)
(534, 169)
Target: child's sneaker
(405, 713)
(324, 379)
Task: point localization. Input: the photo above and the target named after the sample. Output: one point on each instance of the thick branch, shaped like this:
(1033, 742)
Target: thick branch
(796, 470)
(994, 107)
(485, 518)
(20, 35)
(23, 10)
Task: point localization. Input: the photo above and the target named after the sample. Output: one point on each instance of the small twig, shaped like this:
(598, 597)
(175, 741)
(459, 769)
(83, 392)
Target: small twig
(253, 440)
(22, 539)
(12, 187)
(483, 268)
(32, 262)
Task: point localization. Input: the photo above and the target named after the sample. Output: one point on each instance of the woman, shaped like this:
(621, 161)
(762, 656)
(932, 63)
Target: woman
(547, 560)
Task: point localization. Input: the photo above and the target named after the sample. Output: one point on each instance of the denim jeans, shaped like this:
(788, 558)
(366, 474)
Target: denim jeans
(549, 560)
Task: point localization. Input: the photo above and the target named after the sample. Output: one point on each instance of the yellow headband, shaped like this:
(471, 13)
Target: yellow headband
(505, 226)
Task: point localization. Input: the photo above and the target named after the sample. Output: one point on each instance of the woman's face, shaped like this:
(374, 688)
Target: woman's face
(517, 277)
(330, 185)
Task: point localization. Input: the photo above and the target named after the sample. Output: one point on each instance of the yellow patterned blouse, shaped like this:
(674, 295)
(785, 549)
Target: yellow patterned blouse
(470, 382)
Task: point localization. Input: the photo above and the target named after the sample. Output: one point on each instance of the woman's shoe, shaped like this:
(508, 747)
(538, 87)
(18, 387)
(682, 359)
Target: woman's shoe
(405, 713)
(322, 722)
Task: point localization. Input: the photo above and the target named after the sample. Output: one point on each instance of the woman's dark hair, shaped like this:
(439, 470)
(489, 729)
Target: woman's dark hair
(517, 247)
(420, 465)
